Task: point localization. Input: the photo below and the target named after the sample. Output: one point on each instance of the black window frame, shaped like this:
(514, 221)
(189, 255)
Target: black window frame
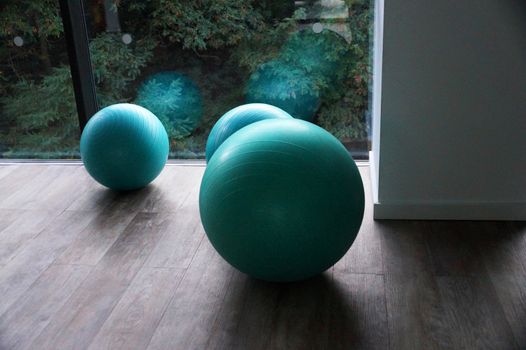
(77, 42)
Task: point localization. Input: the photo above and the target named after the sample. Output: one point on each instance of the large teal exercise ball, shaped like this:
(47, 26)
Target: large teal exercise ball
(175, 100)
(281, 200)
(124, 146)
(238, 118)
(285, 86)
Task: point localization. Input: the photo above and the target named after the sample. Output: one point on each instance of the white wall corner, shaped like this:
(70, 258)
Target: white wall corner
(436, 152)
(373, 174)
(374, 155)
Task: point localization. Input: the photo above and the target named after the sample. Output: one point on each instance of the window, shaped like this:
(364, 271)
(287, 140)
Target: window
(38, 115)
(188, 62)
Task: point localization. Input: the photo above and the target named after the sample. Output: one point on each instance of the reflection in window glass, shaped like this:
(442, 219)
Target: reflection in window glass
(38, 116)
(189, 62)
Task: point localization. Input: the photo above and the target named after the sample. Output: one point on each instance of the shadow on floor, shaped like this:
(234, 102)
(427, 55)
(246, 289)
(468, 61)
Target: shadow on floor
(314, 314)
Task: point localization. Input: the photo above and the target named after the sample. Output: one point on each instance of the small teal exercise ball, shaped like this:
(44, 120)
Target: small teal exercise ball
(285, 86)
(175, 100)
(281, 200)
(238, 118)
(124, 147)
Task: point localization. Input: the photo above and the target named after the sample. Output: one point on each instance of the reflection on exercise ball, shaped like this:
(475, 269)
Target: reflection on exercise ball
(323, 55)
(175, 100)
(286, 86)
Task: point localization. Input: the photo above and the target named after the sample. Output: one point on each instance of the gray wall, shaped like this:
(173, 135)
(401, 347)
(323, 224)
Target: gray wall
(451, 122)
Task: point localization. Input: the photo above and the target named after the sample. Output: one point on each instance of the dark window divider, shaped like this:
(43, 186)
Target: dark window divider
(76, 34)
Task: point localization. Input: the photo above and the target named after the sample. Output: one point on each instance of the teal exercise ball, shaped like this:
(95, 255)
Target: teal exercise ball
(285, 86)
(281, 200)
(124, 147)
(175, 100)
(238, 118)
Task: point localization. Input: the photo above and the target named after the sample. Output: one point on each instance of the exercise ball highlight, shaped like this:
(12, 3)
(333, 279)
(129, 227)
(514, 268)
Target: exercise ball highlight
(175, 100)
(238, 118)
(286, 86)
(124, 147)
(281, 200)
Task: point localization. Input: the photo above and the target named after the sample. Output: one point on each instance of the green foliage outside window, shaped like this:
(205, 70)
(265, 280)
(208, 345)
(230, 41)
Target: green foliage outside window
(41, 114)
(217, 44)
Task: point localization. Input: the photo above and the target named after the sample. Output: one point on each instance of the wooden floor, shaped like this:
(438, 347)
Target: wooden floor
(83, 267)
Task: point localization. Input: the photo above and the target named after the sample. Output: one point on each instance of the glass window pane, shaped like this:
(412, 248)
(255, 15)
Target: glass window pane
(191, 62)
(38, 115)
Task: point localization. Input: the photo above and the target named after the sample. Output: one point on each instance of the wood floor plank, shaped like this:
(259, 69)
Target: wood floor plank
(165, 193)
(501, 245)
(27, 196)
(303, 313)
(414, 307)
(7, 169)
(26, 318)
(365, 254)
(299, 322)
(23, 179)
(470, 302)
(75, 325)
(136, 316)
(99, 198)
(517, 232)
(145, 199)
(225, 333)
(183, 236)
(7, 217)
(27, 224)
(254, 308)
(172, 188)
(451, 250)
(133, 200)
(403, 247)
(415, 315)
(190, 317)
(35, 257)
(315, 314)
(502, 249)
(61, 191)
(511, 292)
(358, 313)
(94, 197)
(291, 315)
(91, 246)
(474, 314)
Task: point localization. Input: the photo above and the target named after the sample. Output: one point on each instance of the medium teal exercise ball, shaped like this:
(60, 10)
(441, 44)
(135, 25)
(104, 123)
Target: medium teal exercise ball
(175, 99)
(124, 147)
(281, 200)
(285, 86)
(238, 118)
